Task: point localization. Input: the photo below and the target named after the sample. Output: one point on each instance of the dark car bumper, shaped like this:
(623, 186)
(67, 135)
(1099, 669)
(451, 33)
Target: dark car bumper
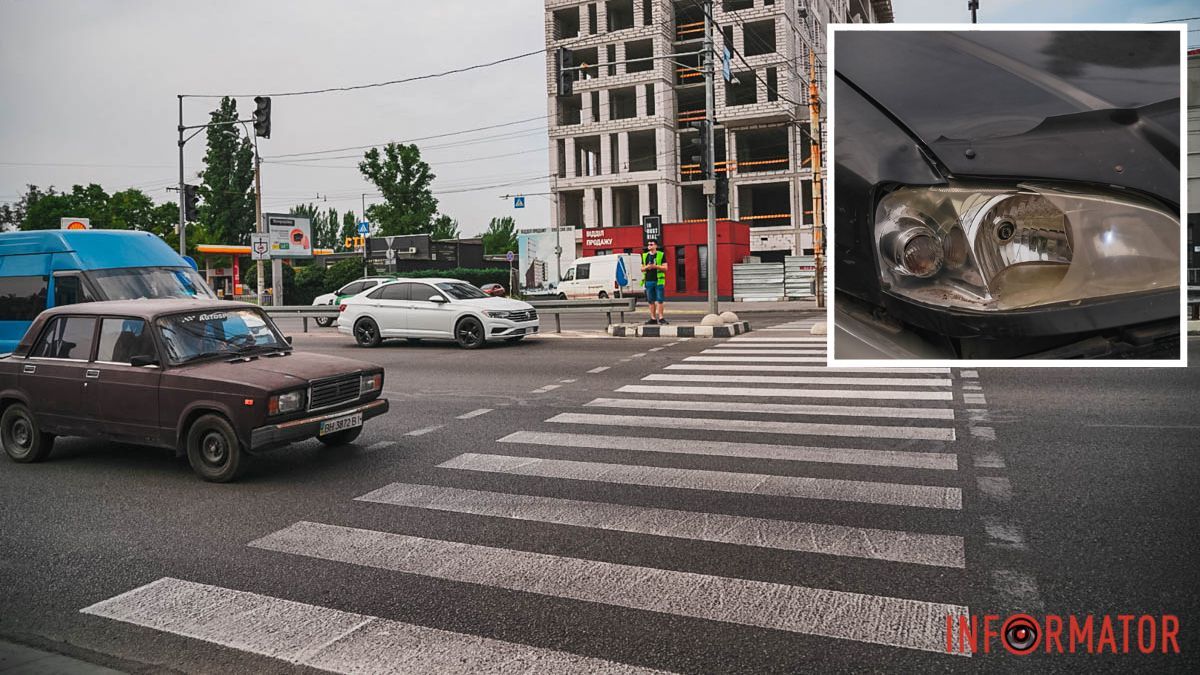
(308, 427)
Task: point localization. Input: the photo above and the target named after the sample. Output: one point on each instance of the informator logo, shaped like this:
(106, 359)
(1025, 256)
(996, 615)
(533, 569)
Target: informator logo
(1022, 634)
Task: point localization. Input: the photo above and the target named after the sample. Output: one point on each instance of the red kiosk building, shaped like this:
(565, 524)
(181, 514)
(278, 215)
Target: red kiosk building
(686, 248)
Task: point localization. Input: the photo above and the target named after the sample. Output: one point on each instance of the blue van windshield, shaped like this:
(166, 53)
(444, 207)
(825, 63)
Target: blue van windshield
(132, 283)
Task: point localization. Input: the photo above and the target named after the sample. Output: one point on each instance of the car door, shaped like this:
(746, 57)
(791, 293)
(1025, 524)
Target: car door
(390, 307)
(54, 375)
(427, 318)
(125, 396)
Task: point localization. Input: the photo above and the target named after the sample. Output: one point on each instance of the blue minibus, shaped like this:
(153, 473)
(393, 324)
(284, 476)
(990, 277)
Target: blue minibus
(47, 268)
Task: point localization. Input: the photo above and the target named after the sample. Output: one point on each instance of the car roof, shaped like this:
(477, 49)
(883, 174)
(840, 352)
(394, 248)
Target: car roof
(430, 280)
(145, 308)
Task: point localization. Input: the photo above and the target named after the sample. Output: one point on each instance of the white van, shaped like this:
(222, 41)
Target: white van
(596, 277)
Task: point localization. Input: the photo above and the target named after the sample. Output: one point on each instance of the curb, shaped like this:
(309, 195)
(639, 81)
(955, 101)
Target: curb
(639, 330)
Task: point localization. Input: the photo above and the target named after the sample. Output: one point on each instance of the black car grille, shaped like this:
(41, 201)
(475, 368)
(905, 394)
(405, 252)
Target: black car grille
(328, 393)
(523, 315)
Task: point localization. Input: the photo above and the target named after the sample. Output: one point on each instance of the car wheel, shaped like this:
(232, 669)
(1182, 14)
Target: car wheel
(562, 296)
(603, 295)
(366, 333)
(324, 322)
(515, 339)
(469, 333)
(23, 441)
(213, 449)
(344, 437)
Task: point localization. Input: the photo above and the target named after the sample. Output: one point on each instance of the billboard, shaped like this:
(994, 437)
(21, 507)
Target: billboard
(291, 236)
(538, 266)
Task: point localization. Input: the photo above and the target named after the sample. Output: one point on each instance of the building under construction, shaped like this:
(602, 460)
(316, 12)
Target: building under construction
(620, 143)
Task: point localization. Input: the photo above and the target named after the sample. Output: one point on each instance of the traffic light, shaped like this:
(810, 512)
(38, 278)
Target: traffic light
(698, 148)
(262, 116)
(191, 197)
(566, 76)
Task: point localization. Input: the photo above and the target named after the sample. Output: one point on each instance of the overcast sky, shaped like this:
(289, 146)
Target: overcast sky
(88, 89)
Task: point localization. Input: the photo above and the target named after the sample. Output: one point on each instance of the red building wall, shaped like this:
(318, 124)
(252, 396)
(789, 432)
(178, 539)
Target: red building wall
(681, 241)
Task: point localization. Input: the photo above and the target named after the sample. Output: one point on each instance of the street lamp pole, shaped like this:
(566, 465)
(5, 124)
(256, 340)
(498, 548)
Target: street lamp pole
(182, 224)
(710, 162)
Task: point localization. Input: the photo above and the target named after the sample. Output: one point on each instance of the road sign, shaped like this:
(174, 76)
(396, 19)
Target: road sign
(518, 202)
(260, 246)
(726, 66)
(510, 256)
(364, 228)
(390, 254)
(75, 223)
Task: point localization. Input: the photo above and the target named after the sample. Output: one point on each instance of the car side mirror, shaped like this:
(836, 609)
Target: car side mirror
(143, 360)
(438, 299)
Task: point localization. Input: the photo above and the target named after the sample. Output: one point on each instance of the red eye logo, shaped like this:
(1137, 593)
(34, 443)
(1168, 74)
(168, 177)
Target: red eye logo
(1020, 634)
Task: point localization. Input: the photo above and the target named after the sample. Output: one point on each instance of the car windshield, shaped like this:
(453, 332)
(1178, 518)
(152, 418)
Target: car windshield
(132, 283)
(461, 290)
(196, 335)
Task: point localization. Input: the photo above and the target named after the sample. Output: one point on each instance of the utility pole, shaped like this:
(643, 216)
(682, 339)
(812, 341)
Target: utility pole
(259, 225)
(814, 112)
(973, 5)
(182, 223)
(710, 183)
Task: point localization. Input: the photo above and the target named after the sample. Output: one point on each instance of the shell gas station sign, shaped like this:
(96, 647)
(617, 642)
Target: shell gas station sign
(74, 224)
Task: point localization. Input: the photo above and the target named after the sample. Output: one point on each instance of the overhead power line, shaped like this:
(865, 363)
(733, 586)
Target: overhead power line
(410, 140)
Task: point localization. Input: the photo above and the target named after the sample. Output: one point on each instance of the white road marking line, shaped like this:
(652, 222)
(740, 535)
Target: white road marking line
(548, 387)
(424, 430)
(758, 359)
(800, 379)
(599, 369)
(938, 461)
(763, 352)
(989, 460)
(749, 338)
(656, 349)
(995, 487)
(1004, 535)
(776, 408)
(856, 542)
(475, 413)
(974, 398)
(759, 426)
(970, 373)
(325, 638)
(381, 445)
(637, 356)
(567, 381)
(1019, 590)
(805, 369)
(793, 343)
(893, 494)
(972, 387)
(776, 392)
(984, 432)
(898, 622)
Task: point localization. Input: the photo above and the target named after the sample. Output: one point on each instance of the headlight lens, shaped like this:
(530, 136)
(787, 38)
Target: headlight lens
(373, 382)
(286, 403)
(497, 314)
(989, 248)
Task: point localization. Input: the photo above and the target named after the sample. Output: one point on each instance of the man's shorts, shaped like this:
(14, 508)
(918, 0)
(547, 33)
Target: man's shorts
(655, 293)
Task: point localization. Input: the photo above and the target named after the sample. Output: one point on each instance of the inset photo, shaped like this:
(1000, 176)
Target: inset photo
(1008, 196)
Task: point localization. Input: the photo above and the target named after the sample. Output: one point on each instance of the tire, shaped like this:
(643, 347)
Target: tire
(213, 449)
(603, 295)
(413, 341)
(344, 437)
(23, 441)
(515, 339)
(562, 296)
(323, 322)
(468, 333)
(366, 333)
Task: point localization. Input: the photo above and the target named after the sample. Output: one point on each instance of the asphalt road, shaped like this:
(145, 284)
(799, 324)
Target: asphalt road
(719, 535)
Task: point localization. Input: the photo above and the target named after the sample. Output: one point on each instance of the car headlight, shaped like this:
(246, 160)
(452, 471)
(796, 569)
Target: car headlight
(373, 382)
(286, 403)
(990, 248)
(498, 314)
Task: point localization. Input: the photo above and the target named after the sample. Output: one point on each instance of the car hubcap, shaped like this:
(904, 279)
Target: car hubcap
(213, 449)
(468, 333)
(365, 333)
(22, 435)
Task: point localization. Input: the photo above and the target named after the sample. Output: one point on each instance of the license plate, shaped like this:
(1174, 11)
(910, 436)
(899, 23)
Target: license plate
(341, 424)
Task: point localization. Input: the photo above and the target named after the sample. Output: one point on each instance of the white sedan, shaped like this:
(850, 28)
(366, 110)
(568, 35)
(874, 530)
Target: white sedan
(440, 309)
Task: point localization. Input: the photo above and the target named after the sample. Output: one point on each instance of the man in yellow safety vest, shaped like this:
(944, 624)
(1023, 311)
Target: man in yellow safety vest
(654, 272)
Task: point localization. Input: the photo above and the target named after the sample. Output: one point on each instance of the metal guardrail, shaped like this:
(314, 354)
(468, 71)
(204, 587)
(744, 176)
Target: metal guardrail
(608, 306)
(304, 312)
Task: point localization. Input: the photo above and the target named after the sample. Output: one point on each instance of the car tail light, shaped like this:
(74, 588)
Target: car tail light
(342, 307)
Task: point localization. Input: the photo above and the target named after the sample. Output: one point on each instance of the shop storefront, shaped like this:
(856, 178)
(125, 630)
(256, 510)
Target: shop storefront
(686, 248)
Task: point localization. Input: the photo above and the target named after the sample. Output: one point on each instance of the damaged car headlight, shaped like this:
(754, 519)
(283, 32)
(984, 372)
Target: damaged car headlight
(998, 248)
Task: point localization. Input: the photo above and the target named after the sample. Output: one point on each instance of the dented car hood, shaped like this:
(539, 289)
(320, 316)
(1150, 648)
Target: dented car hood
(1093, 106)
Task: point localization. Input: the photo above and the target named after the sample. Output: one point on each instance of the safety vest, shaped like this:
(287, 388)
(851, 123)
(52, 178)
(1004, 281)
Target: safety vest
(654, 276)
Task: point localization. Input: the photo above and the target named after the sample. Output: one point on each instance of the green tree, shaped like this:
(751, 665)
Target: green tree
(227, 188)
(405, 182)
(444, 227)
(501, 236)
(324, 224)
(125, 210)
(349, 229)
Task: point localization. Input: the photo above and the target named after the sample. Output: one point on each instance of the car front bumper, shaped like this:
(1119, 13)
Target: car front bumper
(499, 329)
(308, 427)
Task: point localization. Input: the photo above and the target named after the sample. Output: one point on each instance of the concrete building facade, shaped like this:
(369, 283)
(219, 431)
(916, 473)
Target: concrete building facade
(621, 146)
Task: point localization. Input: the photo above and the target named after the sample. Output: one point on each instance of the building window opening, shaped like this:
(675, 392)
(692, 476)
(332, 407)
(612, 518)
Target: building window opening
(743, 90)
(622, 103)
(587, 156)
(570, 108)
(566, 23)
(620, 14)
(758, 38)
(639, 49)
(643, 151)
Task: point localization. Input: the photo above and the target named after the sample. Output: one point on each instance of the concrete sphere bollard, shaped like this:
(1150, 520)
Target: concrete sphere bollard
(729, 317)
(711, 320)
(818, 328)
